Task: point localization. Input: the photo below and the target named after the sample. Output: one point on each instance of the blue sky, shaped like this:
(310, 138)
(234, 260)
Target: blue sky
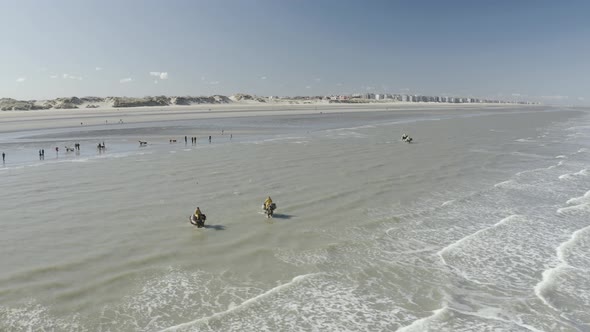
(503, 49)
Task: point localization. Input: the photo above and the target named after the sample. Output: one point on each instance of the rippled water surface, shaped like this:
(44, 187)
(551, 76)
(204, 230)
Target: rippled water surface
(482, 224)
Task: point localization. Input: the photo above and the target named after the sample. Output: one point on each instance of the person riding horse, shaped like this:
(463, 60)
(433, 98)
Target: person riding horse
(198, 218)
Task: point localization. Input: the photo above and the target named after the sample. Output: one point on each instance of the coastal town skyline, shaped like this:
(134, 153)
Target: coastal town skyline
(10, 104)
(502, 51)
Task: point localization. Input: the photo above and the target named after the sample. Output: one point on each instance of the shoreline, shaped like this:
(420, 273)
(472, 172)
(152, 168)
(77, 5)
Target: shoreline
(15, 121)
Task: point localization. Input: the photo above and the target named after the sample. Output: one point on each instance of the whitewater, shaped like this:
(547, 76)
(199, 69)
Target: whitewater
(481, 224)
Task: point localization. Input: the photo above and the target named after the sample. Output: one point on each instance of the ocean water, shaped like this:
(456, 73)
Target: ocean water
(481, 224)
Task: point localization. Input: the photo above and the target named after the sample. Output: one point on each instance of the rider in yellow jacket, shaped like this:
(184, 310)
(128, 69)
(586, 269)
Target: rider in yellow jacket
(267, 203)
(198, 214)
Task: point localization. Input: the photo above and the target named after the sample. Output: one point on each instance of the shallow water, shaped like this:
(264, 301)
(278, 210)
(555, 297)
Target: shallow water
(481, 224)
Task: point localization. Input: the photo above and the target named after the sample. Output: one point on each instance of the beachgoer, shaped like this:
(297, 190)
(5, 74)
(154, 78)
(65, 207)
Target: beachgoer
(231, 136)
(56, 149)
(185, 140)
(267, 203)
(3, 156)
(209, 139)
(198, 214)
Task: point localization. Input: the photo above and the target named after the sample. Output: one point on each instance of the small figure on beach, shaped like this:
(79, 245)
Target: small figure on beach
(221, 131)
(121, 121)
(77, 146)
(56, 149)
(267, 202)
(3, 157)
(43, 153)
(268, 206)
(198, 218)
(185, 140)
(142, 143)
(406, 138)
(209, 139)
(231, 136)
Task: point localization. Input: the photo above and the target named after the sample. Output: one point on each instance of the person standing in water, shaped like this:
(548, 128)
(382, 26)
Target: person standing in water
(3, 157)
(209, 139)
(185, 140)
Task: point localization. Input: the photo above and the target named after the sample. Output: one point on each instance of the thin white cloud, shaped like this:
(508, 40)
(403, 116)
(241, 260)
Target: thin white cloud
(317, 79)
(581, 98)
(155, 81)
(98, 68)
(308, 87)
(214, 82)
(53, 76)
(516, 95)
(126, 80)
(338, 84)
(159, 74)
(71, 77)
(263, 77)
(202, 78)
(21, 79)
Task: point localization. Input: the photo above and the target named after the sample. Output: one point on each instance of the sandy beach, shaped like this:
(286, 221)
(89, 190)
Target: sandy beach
(54, 118)
(480, 224)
